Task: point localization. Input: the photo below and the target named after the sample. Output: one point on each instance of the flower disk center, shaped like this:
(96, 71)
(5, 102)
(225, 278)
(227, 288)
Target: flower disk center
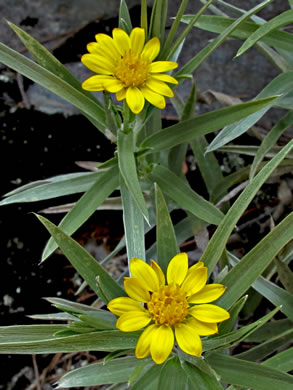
(132, 70)
(168, 305)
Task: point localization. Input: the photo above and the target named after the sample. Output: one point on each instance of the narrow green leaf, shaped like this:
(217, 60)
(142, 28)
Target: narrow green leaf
(53, 83)
(51, 188)
(194, 63)
(144, 16)
(273, 293)
(229, 339)
(150, 380)
(227, 326)
(198, 379)
(280, 85)
(116, 371)
(48, 61)
(270, 330)
(173, 29)
(252, 375)
(251, 266)
(166, 239)
(173, 376)
(71, 307)
(82, 261)
(282, 361)
(285, 274)
(158, 19)
(217, 24)
(218, 241)
(124, 17)
(133, 224)
(278, 21)
(27, 333)
(186, 31)
(266, 348)
(105, 184)
(208, 165)
(188, 130)
(102, 320)
(127, 166)
(269, 140)
(178, 190)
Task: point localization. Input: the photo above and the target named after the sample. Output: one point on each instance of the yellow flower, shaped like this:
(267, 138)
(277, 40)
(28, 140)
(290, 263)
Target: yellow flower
(124, 65)
(180, 309)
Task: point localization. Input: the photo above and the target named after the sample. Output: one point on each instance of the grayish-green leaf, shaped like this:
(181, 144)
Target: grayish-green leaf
(127, 166)
(278, 21)
(252, 375)
(178, 190)
(82, 261)
(105, 184)
(282, 361)
(188, 130)
(251, 266)
(173, 377)
(116, 371)
(166, 239)
(53, 83)
(280, 85)
(218, 241)
(198, 379)
(124, 17)
(133, 224)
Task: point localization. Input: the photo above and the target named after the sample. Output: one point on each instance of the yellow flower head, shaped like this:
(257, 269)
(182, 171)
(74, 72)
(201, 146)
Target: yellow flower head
(124, 65)
(180, 308)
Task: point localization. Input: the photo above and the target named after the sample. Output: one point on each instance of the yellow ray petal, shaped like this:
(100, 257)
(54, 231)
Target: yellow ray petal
(121, 40)
(164, 77)
(151, 50)
(135, 290)
(135, 99)
(208, 293)
(121, 94)
(177, 269)
(202, 328)
(121, 305)
(133, 320)
(160, 274)
(113, 86)
(154, 98)
(93, 47)
(98, 64)
(188, 339)
(195, 281)
(195, 266)
(142, 349)
(159, 87)
(96, 83)
(209, 313)
(108, 46)
(162, 343)
(143, 272)
(162, 66)
(137, 38)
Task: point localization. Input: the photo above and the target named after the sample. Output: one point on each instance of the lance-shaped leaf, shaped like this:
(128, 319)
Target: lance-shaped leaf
(105, 184)
(128, 170)
(173, 377)
(218, 241)
(62, 185)
(188, 130)
(115, 371)
(28, 339)
(166, 240)
(251, 266)
(133, 224)
(282, 361)
(195, 62)
(270, 139)
(179, 190)
(53, 83)
(198, 379)
(83, 262)
(281, 85)
(279, 21)
(252, 375)
(124, 17)
(217, 24)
